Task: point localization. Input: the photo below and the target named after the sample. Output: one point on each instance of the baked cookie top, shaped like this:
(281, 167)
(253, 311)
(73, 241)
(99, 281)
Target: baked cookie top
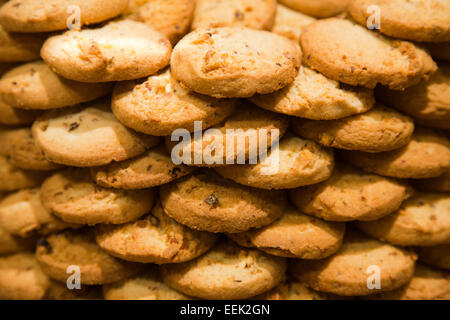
(13, 178)
(18, 47)
(289, 23)
(318, 8)
(292, 290)
(10, 116)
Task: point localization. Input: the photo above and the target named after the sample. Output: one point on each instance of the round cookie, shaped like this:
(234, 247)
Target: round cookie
(351, 195)
(74, 197)
(234, 141)
(438, 184)
(35, 86)
(411, 20)
(12, 244)
(426, 284)
(314, 96)
(289, 23)
(235, 62)
(318, 8)
(159, 105)
(292, 290)
(52, 15)
(10, 116)
(153, 168)
(329, 46)
(22, 214)
(155, 238)
(439, 51)
(254, 14)
(427, 155)
(429, 100)
(347, 272)
(21, 278)
(226, 272)
(87, 136)
(13, 178)
(422, 220)
(59, 251)
(18, 47)
(379, 129)
(122, 50)
(207, 202)
(437, 256)
(146, 286)
(170, 17)
(295, 235)
(292, 163)
(59, 291)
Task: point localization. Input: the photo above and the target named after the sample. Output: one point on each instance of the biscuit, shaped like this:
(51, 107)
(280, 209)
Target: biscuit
(429, 100)
(159, 105)
(146, 286)
(292, 290)
(351, 195)
(87, 136)
(22, 214)
(329, 46)
(314, 96)
(151, 169)
(155, 238)
(254, 14)
(10, 116)
(207, 202)
(13, 178)
(226, 272)
(236, 140)
(235, 62)
(292, 163)
(12, 244)
(295, 235)
(18, 47)
(439, 51)
(437, 256)
(426, 284)
(427, 155)
(35, 86)
(118, 51)
(318, 8)
(21, 278)
(289, 23)
(170, 17)
(438, 184)
(347, 272)
(72, 196)
(59, 251)
(411, 20)
(60, 291)
(379, 129)
(45, 15)
(422, 220)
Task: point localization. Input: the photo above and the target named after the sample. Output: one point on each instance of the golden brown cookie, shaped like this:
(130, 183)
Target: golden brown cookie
(314, 96)
(318, 8)
(295, 235)
(205, 201)
(17, 47)
(351, 194)
(16, 117)
(422, 220)
(379, 129)
(289, 23)
(438, 184)
(74, 197)
(254, 14)
(411, 20)
(226, 272)
(427, 155)
(60, 291)
(159, 105)
(59, 251)
(329, 46)
(155, 238)
(35, 86)
(12, 244)
(13, 178)
(153, 168)
(51, 15)
(437, 256)
(348, 272)
(115, 52)
(22, 214)
(235, 62)
(21, 278)
(87, 136)
(170, 17)
(294, 162)
(292, 290)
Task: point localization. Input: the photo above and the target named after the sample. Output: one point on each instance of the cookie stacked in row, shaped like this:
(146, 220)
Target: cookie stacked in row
(97, 186)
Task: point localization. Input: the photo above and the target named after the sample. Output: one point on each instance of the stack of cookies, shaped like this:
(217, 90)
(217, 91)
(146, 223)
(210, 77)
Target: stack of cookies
(129, 168)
